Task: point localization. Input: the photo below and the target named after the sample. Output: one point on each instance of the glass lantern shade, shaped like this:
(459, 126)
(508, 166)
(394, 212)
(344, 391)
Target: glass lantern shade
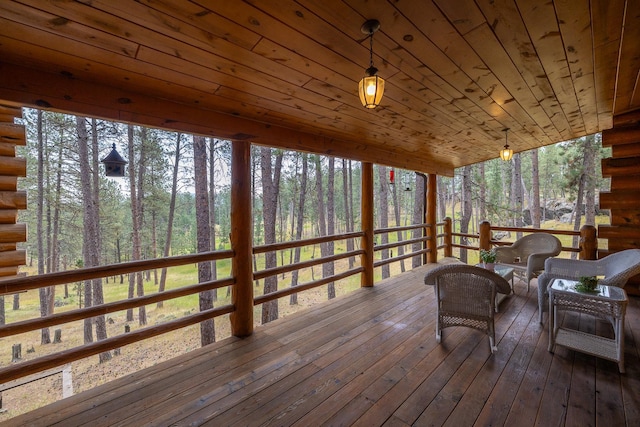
(371, 88)
(506, 153)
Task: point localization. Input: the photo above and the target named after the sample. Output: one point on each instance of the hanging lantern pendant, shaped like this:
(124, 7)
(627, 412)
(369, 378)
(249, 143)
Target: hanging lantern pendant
(371, 87)
(506, 153)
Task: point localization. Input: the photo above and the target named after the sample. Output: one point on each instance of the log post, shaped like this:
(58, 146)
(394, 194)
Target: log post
(57, 336)
(241, 240)
(448, 237)
(485, 236)
(366, 259)
(588, 242)
(432, 243)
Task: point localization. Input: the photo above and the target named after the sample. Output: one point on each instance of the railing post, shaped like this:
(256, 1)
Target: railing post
(588, 242)
(448, 237)
(432, 243)
(485, 236)
(366, 259)
(241, 239)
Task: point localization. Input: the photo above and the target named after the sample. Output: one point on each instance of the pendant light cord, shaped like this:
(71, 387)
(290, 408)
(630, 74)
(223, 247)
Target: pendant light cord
(371, 49)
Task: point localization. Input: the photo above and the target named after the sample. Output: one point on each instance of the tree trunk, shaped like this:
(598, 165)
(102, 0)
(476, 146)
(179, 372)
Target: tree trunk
(139, 206)
(466, 209)
(534, 206)
(348, 212)
(135, 278)
(203, 238)
(442, 196)
(299, 224)
(516, 184)
(56, 213)
(212, 210)
(482, 212)
(85, 184)
(590, 148)
(396, 211)
(328, 267)
(96, 239)
(578, 210)
(418, 216)
(45, 336)
(270, 191)
(383, 182)
(172, 208)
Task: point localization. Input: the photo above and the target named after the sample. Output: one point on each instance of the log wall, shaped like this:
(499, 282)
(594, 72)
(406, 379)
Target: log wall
(11, 167)
(623, 201)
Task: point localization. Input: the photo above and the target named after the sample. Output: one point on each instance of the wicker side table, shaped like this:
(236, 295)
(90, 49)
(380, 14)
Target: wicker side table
(609, 303)
(507, 274)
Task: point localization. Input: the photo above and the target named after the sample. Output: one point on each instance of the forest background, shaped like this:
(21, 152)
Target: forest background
(175, 199)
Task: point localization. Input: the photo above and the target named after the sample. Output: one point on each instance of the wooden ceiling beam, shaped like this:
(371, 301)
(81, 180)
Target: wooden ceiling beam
(41, 89)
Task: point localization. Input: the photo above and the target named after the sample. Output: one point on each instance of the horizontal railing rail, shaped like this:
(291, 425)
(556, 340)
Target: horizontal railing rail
(280, 293)
(25, 283)
(382, 247)
(586, 245)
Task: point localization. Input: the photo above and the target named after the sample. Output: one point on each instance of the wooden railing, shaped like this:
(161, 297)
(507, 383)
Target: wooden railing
(421, 240)
(587, 249)
(21, 284)
(27, 283)
(443, 239)
(305, 264)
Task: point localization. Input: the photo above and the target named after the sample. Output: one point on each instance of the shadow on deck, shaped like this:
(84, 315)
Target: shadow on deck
(370, 358)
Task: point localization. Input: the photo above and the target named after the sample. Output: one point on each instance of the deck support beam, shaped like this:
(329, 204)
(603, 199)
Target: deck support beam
(241, 239)
(367, 225)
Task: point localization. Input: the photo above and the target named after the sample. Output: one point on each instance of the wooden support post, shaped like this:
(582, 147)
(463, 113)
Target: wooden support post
(432, 243)
(241, 240)
(588, 242)
(485, 235)
(448, 237)
(366, 260)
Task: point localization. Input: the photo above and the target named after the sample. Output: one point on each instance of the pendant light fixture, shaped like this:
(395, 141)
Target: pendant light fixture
(506, 153)
(371, 87)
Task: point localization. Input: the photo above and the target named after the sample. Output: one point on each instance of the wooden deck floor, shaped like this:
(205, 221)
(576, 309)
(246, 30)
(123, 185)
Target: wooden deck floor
(370, 359)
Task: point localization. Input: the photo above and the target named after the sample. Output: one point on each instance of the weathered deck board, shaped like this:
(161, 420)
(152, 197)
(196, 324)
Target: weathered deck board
(370, 358)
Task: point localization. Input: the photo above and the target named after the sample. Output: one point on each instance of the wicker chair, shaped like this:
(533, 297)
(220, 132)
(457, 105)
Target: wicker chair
(616, 268)
(466, 297)
(527, 254)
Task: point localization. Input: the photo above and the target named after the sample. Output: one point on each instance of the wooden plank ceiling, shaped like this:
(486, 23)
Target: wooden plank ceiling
(284, 73)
